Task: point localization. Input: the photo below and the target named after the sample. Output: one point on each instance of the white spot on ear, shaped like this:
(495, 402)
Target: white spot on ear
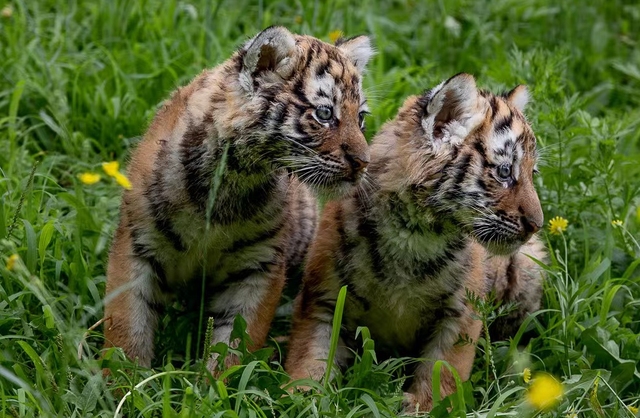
(455, 108)
(519, 97)
(358, 50)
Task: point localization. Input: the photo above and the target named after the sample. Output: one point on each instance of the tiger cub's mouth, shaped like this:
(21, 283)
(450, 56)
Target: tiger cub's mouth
(331, 185)
(499, 238)
(329, 178)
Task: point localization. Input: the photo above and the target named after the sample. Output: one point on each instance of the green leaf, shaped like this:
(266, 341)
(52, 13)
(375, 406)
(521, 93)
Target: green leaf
(3, 226)
(501, 399)
(371, 404)
(90, 393)
(607, 352)
(35, 358)
(222, 392)
(48, 316)
(13, 110)
(32, 250)
(244, 379)
(22, 402)
(335, 332)
(596, 272)
(45, 239)
(606, 303)
(460, 404)
(629, 271)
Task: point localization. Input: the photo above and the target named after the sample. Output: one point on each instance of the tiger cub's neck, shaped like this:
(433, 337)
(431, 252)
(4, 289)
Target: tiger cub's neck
(220, 156)
(416, 235)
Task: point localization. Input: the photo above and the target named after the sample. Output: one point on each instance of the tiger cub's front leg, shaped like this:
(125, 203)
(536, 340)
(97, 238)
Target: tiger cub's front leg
(315, 305)
(132, 299)
(453, 340)
(459, 355)
(310, 345)
(255, 297)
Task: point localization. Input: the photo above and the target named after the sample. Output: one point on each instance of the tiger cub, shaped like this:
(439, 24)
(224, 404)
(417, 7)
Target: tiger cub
(220, 185)
(452, 206)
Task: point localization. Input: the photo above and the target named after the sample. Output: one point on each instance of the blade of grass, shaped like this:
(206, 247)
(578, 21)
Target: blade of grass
(13, 113)
(335, 332)
(22, 197)
(437, 398)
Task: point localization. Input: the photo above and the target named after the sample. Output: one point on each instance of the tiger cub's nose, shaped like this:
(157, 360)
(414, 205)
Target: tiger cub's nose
(357, 163)
(357, 157)
(530, 225)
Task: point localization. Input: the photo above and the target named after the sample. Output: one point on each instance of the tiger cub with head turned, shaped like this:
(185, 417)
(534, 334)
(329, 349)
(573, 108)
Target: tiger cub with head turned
(220, 184)
(452, 207)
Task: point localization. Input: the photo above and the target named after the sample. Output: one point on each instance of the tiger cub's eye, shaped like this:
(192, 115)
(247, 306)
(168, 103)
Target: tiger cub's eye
(324, 114)
(361, 116)
(504, 171)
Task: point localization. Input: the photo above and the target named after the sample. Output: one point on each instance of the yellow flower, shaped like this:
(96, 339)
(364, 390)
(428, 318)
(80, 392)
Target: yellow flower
(335, 35)
(544, 392)
(122, 180)
(572, 414)
(633, 409)
(11, 262)
(111, 168)
(557, 225)
(89, 178)
(526, 375)
(7, 12)
(616, 222)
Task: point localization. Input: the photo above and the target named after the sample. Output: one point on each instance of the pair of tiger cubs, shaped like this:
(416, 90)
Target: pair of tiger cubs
(222, 188)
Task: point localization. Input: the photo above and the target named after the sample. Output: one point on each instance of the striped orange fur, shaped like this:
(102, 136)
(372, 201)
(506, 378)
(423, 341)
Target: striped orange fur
(282, 119)
(450, 208)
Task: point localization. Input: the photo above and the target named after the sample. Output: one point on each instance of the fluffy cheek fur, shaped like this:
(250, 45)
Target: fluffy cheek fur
(500, 231)
(459, 186)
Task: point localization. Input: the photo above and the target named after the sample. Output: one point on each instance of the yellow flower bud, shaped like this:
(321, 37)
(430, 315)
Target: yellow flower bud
(122, 180)
(89, 178)
(111, 168)
(544, 392)
(11, 262)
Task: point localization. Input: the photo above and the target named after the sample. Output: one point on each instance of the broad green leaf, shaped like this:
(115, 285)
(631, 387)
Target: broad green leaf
(45, 239)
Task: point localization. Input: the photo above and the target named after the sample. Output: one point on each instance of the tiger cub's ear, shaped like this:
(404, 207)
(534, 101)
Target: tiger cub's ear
(273, 50)
(357, 49)
(519, 97)
(453, 110)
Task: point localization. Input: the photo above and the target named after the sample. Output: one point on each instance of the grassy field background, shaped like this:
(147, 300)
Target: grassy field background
(80, 80)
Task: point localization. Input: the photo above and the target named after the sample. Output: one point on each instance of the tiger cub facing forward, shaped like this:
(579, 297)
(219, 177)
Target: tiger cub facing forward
(453, 207)
(220, 184)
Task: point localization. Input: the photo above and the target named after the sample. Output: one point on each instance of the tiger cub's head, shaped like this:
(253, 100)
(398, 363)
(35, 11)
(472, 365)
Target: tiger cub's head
(473, 157)
(311, 103)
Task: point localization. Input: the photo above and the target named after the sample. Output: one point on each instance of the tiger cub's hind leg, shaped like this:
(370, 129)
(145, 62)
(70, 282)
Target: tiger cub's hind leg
(131, 301)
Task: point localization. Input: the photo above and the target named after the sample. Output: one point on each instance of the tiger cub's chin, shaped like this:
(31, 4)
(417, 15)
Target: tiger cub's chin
(505, 247)
(218, 185)
(337, 190)
(452, 170)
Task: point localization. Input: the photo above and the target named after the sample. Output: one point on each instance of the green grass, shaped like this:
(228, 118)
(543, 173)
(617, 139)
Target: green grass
(80, 80)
